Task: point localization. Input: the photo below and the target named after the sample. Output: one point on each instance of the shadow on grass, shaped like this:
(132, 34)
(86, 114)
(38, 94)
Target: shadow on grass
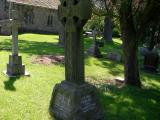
(130, 103)
(112, 47)
(113, 67)
(35, 48)
(9, 85)
(150, 79)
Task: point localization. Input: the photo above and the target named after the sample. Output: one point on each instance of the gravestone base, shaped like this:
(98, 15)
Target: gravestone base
(151, 69)
(94, 51)
(151, 62)
(15, 66)
(74, 102)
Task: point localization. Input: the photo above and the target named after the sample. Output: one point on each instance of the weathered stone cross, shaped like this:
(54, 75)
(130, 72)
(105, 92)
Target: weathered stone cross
(73, 15)
(14, 23)
(15, 66)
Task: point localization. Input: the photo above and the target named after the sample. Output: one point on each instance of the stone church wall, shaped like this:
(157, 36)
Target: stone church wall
(39, 22)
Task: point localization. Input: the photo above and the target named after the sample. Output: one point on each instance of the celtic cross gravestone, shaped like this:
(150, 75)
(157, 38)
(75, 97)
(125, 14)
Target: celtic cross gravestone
(74, 99)
(73, 16)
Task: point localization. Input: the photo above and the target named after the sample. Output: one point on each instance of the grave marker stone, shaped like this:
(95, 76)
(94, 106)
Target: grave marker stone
(74, 99)
(94, 49)
(15, 66)
(151, 62)
(114, 56)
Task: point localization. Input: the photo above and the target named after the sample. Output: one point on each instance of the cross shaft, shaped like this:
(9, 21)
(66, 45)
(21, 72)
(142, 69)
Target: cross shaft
(72, 15)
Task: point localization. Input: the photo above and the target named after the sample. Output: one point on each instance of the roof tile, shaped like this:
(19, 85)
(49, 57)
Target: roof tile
(51, 4)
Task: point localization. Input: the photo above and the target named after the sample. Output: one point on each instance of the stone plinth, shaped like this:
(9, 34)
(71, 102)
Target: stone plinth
(74, 102)
(94, 51)
(15, 67)
(151, 62)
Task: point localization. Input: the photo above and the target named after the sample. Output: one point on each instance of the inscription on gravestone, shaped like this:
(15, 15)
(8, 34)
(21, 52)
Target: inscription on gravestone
(63, 105)
(87, 103)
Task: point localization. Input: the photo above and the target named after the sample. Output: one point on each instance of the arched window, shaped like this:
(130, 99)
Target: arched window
(50, 20)
(29, 17)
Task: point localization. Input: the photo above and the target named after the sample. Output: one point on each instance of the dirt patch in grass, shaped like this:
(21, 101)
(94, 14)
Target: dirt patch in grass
(48, 59)
(101, 82)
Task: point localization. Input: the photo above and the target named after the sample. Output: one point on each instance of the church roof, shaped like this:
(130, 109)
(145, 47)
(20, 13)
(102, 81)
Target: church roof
(51, 4)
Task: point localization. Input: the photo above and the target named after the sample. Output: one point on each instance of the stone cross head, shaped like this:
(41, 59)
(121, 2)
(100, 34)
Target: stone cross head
(74, 13)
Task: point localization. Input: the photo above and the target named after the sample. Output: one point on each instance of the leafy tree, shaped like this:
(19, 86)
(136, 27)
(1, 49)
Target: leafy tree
(152, 33)
(134, 16)
(100, 8)
(96, 22)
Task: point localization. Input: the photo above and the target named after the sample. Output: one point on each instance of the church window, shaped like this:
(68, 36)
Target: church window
(29, 18)
(50, 20)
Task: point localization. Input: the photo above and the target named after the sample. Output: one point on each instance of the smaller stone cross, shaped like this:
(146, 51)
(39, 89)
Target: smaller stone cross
(15, 26)
(15, 66)
(14, 23)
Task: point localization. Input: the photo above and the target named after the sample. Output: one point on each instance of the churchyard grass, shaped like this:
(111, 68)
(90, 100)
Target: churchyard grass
(27, 98)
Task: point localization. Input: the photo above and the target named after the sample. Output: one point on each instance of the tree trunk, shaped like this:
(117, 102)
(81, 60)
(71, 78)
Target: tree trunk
(108, 29)
(130, 48)
(131, 68)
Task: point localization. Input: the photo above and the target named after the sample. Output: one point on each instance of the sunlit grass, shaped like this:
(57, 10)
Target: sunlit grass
(27, 98)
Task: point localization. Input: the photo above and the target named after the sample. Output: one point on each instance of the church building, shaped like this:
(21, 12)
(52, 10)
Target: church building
(38, 15)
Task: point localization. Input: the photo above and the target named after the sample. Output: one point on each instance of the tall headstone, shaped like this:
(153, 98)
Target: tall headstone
(94, 49)
(151, 62)
(74, 99)
(15, 66)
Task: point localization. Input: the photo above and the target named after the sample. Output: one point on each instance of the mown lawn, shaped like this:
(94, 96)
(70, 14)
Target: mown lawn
(27, 98)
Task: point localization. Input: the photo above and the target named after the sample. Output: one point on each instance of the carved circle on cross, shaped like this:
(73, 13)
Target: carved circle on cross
(74, 13)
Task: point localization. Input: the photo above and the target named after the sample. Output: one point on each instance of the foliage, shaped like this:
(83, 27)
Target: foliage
(134, 16)
(103, 7)
(106, 8)
(96, 22)
(146, 20)
(151, 36)
(116, 27)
